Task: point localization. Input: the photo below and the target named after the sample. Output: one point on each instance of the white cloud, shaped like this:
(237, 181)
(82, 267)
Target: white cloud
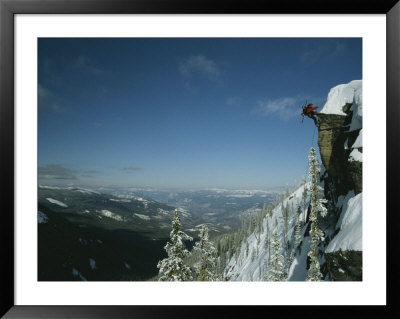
(200, 65)
(285, 108)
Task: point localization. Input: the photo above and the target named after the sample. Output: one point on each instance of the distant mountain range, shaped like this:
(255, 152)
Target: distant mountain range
(222, 207)
(86, 234)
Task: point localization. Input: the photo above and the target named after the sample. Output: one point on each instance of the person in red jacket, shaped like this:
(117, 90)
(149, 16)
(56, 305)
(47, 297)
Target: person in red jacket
(309, 111)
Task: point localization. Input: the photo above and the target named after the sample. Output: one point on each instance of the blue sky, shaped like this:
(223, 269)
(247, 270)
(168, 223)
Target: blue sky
(183, 112)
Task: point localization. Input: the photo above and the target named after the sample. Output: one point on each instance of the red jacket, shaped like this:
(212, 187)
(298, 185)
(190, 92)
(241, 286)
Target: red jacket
(309, 109)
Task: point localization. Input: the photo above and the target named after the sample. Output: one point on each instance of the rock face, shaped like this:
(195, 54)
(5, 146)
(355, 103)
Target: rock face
(340, 144)
(334, 139)
(345, 265)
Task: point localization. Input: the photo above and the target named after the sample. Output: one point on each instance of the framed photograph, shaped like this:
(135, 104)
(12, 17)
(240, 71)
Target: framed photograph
(180, 159)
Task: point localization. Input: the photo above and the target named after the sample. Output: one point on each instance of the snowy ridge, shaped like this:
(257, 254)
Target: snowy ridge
(57, 202)
(251, 262)
(48, 187)
(83, 190)
(144, 217)
(341, 94)
(120, 200)
(240, 192)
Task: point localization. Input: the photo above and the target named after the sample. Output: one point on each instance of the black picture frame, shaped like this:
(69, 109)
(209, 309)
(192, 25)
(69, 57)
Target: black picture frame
(9, 8)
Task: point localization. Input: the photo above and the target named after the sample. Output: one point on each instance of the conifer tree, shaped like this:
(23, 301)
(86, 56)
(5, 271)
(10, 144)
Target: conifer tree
(264, 211)
(253, 255)
(221, 263)
(206, 267)
(297, 230)
(297, 237)
(269, 210)
(304, 199)
(285, 213)
(173, 268)
(276, 266)
(268, 243)
(314, 273)
(252, 224)
(243, 232)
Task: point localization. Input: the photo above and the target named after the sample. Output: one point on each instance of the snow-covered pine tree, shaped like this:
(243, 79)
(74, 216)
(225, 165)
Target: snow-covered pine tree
(260, 217)
(297, 237)
(206, 268)
(243, 231)
(314, 272)
(252, 224)
(304, 199)
(173, 268)
(285, 213)
(268, 242)
(276, 266)
(253, 255)
(297, 230)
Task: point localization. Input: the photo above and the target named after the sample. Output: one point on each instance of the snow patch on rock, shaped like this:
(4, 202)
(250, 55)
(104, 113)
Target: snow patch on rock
(92, 263)
(355, 156)
(42, 217)
(76, 273)
(109, 214)
(358, 141)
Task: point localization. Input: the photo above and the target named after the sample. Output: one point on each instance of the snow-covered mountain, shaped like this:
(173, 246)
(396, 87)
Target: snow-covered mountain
(136, 212)
(340, 253)
(87, 235)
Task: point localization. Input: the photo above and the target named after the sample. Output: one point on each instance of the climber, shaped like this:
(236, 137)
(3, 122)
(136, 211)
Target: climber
(309, 111)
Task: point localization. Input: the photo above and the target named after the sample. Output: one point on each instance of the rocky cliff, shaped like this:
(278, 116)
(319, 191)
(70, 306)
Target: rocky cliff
(248, 254)
(334, 139)
(340, 144)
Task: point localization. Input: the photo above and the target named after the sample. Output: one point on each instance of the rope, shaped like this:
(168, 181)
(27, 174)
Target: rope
(312, 144)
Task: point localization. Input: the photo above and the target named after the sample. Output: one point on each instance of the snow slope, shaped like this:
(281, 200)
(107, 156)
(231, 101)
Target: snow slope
(341, 94)
(350, 225)
(251, 266)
